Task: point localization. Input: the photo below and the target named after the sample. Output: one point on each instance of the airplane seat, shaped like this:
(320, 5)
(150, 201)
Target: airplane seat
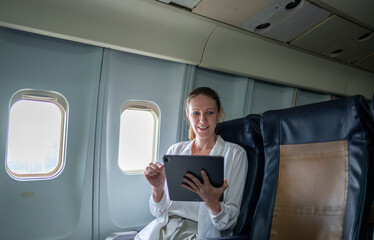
(372, 207)
(246, 132)
(372, 105)
(318, 176)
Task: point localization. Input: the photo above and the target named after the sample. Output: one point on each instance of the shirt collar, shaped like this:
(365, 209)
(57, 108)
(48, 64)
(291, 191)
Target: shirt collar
(218, 146)
(215, 150)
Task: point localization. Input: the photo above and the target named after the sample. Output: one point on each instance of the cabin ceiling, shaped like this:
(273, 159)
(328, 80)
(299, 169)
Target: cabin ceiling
(338, 29)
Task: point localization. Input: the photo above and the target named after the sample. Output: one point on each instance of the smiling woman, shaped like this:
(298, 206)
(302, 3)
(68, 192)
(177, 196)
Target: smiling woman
(210, 217)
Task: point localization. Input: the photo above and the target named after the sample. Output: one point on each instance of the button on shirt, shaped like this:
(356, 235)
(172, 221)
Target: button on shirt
(209, 225)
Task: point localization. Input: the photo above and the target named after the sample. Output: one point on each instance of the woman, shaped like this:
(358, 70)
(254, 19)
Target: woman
(211, 218)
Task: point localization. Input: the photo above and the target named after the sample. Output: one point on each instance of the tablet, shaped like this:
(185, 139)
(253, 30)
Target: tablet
(177, 166)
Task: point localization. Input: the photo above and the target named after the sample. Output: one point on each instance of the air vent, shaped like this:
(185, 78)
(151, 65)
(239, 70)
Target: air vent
(336, 53)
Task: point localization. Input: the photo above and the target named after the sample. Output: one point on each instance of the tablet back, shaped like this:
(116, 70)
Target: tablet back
(177, 166)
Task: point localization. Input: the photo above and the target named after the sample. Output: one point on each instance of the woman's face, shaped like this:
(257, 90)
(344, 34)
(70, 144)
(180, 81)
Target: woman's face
(203, 115)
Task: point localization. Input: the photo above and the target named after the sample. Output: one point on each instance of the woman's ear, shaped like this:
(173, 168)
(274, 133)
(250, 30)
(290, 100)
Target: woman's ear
(187, 114)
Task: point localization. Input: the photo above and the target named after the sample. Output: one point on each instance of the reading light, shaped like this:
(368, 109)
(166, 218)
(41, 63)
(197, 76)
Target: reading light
(262, 26)
(364, 37)
(292, 4)
(336, 53)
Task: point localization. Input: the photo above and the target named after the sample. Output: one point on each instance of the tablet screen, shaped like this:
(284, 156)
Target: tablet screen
(177, 166)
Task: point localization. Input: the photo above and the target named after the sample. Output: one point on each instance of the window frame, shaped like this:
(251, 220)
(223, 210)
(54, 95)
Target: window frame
(153, 108)
(62, 104)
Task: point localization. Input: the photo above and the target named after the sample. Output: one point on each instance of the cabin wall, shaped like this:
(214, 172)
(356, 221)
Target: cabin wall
(92, 198)
(154, 29)
(123, 200)
(60, 208)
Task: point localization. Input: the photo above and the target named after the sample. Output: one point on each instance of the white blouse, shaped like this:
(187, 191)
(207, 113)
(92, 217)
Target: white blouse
(209, 225)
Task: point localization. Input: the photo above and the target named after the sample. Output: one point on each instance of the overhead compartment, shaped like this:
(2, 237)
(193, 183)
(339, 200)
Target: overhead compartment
(360, 11)
(144, 27)
(350, 43)
(360, 82)
(152, 28)
(282, 20)
(366, 63)
(239, 52)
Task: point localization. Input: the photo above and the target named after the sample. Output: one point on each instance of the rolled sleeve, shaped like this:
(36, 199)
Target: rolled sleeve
(221, 219)
(158, 208)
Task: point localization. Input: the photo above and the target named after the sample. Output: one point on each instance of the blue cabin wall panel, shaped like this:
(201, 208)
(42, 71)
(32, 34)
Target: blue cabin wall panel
(123, 202)
(232, 90)
(60, 208)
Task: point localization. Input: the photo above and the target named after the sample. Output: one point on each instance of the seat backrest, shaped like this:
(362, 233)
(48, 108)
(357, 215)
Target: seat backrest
(318, 176)
(372, 105)
(246, 133)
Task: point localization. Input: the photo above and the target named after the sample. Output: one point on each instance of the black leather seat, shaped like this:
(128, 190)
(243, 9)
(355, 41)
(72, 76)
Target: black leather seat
(246, 133)
(372, 105)
(318, 177)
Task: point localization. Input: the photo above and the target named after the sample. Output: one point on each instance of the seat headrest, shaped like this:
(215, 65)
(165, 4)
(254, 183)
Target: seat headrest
(243, 131)
(319, 122)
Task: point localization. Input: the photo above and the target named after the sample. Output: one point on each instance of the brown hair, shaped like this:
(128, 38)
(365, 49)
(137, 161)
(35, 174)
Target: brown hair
(204, 91)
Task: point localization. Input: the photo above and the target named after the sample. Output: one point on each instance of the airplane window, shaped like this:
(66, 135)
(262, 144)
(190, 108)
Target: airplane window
(138, 142)
(36, 135)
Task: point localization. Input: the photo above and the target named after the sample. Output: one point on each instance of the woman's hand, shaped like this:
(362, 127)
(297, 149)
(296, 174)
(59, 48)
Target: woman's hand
(155, 175)
(206, 191)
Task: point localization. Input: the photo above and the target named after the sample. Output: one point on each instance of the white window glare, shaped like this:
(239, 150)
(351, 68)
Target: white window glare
(138, 136)
(36, 135)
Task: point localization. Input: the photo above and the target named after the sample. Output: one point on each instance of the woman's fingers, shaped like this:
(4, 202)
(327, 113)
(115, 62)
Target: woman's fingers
(154, 167)
(194, 184)
(191, 184)
(150, 171)
(154, 171)
(158, 165)
(205, 177)
(185, 185)
(194, 179)
(224, 185)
